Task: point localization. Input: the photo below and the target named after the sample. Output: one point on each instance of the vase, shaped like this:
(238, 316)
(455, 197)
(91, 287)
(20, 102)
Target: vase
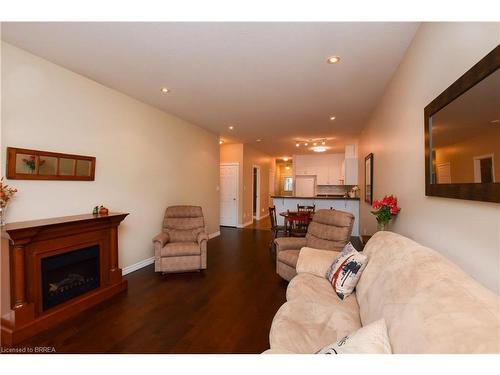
(381, 226)
(3, 212)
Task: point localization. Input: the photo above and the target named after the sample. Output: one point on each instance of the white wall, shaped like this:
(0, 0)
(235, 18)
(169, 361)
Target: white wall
(467, 232)
(146, 158)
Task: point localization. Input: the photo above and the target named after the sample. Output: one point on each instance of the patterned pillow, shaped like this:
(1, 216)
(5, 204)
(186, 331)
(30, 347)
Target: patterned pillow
(370, 339)
(346, 270)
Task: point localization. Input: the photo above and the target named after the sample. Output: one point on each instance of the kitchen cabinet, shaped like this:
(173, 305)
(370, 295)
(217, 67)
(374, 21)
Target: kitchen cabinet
(327, 168)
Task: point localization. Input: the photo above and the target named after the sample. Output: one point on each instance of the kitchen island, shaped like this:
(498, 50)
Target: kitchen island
(289, 202)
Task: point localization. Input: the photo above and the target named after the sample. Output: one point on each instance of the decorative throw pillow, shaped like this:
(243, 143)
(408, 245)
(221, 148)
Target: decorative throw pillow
(370, 339)
(346, 270)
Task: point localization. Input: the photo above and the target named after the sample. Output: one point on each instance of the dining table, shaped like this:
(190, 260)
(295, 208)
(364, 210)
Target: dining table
(296, 222)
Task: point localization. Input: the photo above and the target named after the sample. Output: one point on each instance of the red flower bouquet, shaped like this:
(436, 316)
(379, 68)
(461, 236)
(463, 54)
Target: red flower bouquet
(385, 210)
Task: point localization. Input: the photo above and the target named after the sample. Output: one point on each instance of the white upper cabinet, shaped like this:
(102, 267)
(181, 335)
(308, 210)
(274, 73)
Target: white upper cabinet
(351, 165)
(327, 168)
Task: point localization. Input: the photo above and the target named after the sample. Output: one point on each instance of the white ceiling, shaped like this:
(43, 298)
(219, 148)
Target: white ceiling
(269, 80)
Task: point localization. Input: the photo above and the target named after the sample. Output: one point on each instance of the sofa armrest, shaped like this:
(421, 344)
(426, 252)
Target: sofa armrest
(161, 239)
(202, 236)
(289, 243)
(314, 261)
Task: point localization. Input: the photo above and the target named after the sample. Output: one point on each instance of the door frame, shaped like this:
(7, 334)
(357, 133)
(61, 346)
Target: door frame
(237, 165)
(257, 199)
(477, 166)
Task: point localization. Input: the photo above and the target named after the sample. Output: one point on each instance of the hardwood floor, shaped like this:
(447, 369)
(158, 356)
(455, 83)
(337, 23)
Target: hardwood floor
(227, 308)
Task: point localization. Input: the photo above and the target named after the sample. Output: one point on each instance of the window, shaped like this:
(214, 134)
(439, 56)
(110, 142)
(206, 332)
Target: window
(288, 184)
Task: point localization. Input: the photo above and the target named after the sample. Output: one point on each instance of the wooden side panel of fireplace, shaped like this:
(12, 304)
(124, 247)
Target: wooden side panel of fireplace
(29, 243)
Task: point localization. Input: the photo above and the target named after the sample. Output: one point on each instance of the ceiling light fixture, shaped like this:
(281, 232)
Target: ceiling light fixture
(297, 144)
(258, 140)
(323, 143)
(221, 141)
(332, 118)
(495, 121)
(285, 158)
(319, 149)
(315, 144)
(333, 60)
(231, 127)
(306, 144)
(287, 168)
(164, 90)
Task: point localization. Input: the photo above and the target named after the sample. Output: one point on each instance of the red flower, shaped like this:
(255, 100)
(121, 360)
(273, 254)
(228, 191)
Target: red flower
(377, 205)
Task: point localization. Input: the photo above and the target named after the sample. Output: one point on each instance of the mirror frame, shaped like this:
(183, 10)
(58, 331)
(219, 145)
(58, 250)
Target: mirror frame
(489, 192)
(12, 174)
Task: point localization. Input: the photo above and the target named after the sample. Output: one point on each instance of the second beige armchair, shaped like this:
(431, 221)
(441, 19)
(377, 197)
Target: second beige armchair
(329, 230)
(182, 244)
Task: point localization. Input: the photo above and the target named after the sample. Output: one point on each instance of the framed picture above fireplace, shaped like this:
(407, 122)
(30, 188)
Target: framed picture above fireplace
(26, 164)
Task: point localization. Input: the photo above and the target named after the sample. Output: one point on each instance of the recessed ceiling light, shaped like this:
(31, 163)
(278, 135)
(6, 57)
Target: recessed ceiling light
(165, 90)
(323, 143)
(495, 121)
(231, 127)
(221, 141)
(258, 140)
(306, 144)
(285, 158)
(319, 149)
(333, 60)
(315, 144)
(332, 118)
(297, 144)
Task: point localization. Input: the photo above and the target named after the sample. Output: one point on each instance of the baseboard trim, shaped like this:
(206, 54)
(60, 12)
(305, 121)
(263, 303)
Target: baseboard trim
(245, 224)
(138, 265)
(148, 261)
(214, 234)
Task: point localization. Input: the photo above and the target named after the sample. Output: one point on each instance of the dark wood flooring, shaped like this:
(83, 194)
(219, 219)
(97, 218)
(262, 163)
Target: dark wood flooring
(227, 308)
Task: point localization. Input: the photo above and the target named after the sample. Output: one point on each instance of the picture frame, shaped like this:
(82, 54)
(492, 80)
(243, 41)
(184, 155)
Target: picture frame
(369, 178)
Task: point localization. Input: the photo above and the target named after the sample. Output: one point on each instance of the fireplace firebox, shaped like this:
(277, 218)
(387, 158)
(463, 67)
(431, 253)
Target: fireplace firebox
(69, 275)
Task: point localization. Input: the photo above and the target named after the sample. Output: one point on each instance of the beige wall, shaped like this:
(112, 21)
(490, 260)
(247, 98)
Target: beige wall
(146, 158)
(251, 158)
(247, 157)
(461, 155)
(467, 232)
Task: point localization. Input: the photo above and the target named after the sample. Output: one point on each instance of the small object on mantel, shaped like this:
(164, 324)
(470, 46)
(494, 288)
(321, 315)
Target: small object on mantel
(95, 211)
(103, 211)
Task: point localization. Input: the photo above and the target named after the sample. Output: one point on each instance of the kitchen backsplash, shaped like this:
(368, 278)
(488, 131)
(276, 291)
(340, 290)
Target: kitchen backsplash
(332, 189)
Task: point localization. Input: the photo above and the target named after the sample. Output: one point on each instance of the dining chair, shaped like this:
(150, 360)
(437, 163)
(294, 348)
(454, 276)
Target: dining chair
(310, 209)
(275, 228)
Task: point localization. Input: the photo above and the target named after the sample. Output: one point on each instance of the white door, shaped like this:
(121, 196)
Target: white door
(304, 186)
(229, 194)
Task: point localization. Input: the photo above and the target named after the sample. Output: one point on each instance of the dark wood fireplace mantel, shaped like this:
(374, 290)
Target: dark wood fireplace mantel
(32, 241)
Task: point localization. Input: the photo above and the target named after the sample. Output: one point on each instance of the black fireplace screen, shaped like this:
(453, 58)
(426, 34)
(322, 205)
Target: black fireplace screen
(69, 275)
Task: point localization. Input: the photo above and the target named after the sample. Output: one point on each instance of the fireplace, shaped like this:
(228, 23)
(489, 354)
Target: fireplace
(69, 275)
(57, 268)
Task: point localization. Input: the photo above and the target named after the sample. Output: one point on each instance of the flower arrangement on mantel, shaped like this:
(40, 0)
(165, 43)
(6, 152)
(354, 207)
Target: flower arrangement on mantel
(385, 210)
(6, 193)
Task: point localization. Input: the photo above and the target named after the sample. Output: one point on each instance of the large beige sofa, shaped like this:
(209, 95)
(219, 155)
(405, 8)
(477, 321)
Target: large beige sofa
(429, 304)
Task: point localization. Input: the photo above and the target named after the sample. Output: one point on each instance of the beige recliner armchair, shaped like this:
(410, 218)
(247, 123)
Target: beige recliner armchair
(328, 230)
(182, 244)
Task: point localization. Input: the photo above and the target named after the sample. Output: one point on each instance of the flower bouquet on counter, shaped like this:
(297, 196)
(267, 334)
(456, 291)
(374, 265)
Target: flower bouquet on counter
(385, 210)
(6, 193)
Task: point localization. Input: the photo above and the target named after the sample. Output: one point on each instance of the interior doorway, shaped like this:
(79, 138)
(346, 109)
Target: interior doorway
(256, 192)
(484, 171)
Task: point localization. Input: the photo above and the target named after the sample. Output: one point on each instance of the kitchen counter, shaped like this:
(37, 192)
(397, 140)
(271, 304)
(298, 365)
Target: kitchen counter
(329, 197)
(285, 203)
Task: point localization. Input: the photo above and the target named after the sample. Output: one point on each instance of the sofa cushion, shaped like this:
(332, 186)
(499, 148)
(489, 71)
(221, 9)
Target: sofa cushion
(346, 270)
(370, 339)
(289, 257)
(310, 288)
(306, 327)
(175, 249)
(429, 304)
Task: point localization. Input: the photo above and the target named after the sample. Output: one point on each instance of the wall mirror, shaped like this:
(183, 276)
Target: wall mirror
(462, 136)
(24, 164)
